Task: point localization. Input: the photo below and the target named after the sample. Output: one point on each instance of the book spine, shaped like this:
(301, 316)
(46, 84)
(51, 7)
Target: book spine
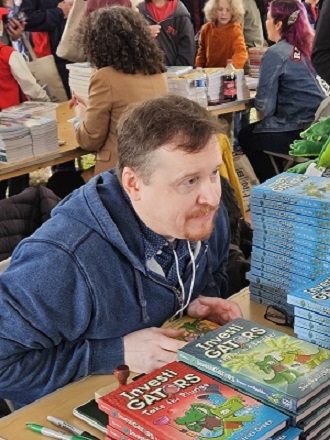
(133, 429)
(113, 434)
(306, 304)
(115, 413)
(244, 385)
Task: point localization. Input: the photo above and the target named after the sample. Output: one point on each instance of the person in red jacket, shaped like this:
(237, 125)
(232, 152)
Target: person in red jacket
(16, 84)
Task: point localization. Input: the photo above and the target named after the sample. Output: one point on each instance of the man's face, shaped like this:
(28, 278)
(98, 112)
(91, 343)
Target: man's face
(183, 193)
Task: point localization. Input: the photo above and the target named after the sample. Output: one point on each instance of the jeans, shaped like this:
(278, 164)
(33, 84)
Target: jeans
(254, 144)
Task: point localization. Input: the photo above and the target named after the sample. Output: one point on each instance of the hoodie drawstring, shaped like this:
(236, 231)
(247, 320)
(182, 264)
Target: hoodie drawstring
(142, 300)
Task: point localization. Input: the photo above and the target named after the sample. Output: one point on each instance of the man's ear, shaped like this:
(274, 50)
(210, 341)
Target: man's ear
(131, 183)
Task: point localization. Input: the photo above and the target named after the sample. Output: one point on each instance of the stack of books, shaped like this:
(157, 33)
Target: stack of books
(173, 71)
(179, 402)
(291, 241)
(79, 78)
(43, 133)
(312, 311)
(184, 85)
(32, 108)
(255, 55)
(214, 84)
(15, 141)
(243, 92)
(281, 371)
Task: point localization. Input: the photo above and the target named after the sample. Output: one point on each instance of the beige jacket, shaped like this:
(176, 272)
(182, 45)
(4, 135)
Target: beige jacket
(110, 92)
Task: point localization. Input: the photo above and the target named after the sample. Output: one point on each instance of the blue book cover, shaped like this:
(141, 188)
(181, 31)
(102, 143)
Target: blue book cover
(312, 335)
(314, 296)
(277, 368)
(323, 213)
(290, 433)
(310, 191)
(286, 215)
(312, 325)
(292, 249)
(300, 220)
(274, 273)
(265, 279)
(312, 316)
(271, 288)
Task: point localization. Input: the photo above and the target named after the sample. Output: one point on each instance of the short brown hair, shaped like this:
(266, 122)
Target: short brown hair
(147, 126)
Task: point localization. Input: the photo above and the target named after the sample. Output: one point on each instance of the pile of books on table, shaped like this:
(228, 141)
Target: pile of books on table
(255, 55)
(15, 141)
(214, 84)
(79, 78)
(173, 71)
(241, 381)
(25, 132)
(312, 311)
(291, 240)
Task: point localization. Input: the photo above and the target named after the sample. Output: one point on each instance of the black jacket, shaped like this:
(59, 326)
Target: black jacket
(321, 49)
(21, 215)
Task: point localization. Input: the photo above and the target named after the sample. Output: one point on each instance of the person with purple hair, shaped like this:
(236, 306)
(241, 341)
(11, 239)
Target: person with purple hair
(288, 93)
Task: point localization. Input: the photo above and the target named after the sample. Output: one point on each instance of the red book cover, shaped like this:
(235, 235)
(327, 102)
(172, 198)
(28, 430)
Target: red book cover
(179, 402)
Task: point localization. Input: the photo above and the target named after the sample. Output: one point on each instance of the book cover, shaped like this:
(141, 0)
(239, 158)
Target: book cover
(273, 366)
(322, 212)
(179, 402)
(315, 337)
(290, 433)
(311, 315)
(314, 296)
(311, 191)
(301, 220)
(288, 215)
(194, 328)
(312, 325)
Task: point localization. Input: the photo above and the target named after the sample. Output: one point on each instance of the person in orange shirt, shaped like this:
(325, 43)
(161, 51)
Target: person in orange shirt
(222, 37)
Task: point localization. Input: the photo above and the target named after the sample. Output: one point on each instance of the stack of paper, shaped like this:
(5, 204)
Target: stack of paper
(16, 142)
(252, 83)
(243, 91)
(79, 78)
(43, 133)
(214, 84)
(184, 85)
(291, 240)
(32, 108)
(255, 55)
(172, 71)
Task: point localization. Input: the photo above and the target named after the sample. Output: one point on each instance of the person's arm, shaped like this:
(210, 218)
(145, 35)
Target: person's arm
(321, 49)
(45, 15)
(27, 82)
(240, 54)
(93, 131)
(266, 97)
(187, 46)
(201, 57)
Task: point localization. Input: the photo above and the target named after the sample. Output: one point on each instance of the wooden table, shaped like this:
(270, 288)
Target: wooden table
(61, 403)
(231, 107)
(68, 151)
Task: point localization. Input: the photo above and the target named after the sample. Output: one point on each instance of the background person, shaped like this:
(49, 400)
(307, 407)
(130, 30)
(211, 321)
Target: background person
(120, 255)
(321, 48)
(130, 68)
(176, 34)
(222, 37)
(288, 93)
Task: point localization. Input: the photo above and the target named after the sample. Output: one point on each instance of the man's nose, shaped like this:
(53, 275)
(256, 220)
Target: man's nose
(209, 193)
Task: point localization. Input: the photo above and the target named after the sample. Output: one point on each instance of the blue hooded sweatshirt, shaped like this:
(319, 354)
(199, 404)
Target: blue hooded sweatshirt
(80, 283)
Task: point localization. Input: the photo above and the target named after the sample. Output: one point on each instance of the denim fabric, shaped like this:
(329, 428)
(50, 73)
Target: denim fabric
(80, 283)
(288, 94)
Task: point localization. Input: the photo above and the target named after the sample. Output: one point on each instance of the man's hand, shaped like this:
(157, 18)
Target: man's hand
(151, 348)
(15, 28)
(65, 8)
(217, 310)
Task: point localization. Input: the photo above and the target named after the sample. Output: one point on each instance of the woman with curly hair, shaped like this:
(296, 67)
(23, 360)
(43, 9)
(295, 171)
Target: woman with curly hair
(222, 37)
(130, 68)
(288, 93)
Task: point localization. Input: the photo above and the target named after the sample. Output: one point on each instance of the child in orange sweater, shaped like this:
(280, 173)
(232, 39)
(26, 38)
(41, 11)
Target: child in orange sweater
(222, 37)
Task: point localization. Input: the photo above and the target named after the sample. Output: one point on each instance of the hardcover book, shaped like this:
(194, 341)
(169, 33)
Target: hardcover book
(289, 434)
(314, 296)
(286, 215)
(313, 316)
(179, 402)
(302, 190)
(277, 368)
(194, 328)
(322, 212)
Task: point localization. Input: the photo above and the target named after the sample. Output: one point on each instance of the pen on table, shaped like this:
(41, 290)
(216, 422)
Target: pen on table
(52, 433)
(63, 424)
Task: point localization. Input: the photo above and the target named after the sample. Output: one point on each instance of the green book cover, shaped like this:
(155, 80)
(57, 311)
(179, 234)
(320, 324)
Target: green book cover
(277, 368)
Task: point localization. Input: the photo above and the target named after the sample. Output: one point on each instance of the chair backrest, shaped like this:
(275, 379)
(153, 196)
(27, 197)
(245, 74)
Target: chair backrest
(323, 110)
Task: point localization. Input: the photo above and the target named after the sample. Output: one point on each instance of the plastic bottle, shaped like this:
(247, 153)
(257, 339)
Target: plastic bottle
(229, 82)
(201, 87)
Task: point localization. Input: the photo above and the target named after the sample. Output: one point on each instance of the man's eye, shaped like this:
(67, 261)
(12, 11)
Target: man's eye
(191, 181)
